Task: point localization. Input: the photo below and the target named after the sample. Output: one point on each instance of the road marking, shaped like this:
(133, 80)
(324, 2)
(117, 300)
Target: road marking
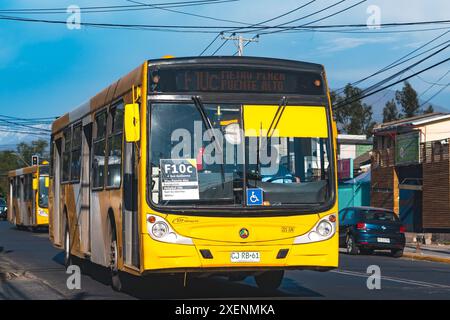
(394, 279)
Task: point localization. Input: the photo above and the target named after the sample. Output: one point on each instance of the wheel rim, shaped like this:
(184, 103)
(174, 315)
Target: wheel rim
(67, 246)
(113, 262)
(349, 244)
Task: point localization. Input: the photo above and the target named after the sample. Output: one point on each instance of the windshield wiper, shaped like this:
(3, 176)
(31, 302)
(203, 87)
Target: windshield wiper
(277, 117)
(207, 122)
(274, 124)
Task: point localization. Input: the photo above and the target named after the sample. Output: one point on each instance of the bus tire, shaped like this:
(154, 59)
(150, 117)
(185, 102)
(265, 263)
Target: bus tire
(116, 282)
(67, 243)
(269, 280)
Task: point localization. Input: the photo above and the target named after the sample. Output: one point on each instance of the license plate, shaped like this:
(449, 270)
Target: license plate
(245, 256)
(384, 240)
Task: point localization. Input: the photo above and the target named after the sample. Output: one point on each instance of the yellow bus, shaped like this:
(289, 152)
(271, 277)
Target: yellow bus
(200, 165)
(28, 197)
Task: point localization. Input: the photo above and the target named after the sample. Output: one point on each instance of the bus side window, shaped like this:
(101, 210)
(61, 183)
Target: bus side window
(75, 167)
(115, 133)
(98, 161)
(66, 154)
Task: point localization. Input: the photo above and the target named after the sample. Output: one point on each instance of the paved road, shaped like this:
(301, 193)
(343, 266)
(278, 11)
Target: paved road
(40, 274)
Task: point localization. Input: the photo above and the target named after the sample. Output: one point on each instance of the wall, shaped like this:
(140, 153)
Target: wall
(436, 195)
(384, 188)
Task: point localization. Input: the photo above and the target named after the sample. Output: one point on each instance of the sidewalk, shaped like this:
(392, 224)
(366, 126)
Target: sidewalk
(17, 284)
(429, 252)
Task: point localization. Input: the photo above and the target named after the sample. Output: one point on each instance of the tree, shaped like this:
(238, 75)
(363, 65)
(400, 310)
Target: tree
(26, 150)
(11, 160)
(430, 109)
(354, 117)
(390, 112)
(8, 161)
(408, 100)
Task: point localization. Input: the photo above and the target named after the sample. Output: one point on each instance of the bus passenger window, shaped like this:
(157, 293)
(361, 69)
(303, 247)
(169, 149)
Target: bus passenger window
(66, 155)
(114, 170)
(98, 162)
(75, 167)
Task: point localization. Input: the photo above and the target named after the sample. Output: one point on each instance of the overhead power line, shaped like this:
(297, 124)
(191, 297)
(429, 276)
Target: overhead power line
(359, 97)
(398, 61)
(436, 94)
(198, 28)
(435, 84)
(119, 8)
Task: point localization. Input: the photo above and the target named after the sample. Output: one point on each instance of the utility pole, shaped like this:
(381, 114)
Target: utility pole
(240, 42)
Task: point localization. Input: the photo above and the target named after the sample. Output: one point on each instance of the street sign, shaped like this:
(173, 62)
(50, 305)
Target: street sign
(407, 148)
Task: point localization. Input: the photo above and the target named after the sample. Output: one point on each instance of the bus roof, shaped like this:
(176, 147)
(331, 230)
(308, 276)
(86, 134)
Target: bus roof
(231, 60)
(25, 170)
(123, 85)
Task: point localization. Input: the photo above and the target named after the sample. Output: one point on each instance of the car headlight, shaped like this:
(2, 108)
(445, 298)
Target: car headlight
(322, 230)
(159, 229)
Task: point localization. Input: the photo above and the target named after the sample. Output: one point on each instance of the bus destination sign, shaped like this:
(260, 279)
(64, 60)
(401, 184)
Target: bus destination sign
(245, 81)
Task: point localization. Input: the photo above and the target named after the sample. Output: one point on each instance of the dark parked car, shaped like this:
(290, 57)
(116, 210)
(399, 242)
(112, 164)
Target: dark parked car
(3, 209)
(365, 229)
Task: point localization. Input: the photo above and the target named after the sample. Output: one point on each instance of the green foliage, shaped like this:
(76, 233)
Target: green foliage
(11, 160)
(390, 112)
(354, 117)
(430, 109)
(26, 150)
(407, 99)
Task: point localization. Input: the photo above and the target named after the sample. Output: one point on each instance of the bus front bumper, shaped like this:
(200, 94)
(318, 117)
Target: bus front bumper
(167, 257)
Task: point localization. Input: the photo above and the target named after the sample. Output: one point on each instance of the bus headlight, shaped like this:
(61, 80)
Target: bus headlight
(42, 213)
(160, 230)
(323, 230)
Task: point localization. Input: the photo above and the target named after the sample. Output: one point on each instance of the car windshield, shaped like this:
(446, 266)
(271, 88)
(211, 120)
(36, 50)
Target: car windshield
(2, 202)
(379, 215)
(43, 193)
(204, 155)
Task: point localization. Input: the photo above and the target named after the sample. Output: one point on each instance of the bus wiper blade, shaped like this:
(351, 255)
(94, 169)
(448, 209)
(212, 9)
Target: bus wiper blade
(207, 122)
(274, 124)
(277, 117)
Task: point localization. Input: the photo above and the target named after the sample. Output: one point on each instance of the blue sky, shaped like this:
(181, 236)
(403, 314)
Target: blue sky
(47, 70)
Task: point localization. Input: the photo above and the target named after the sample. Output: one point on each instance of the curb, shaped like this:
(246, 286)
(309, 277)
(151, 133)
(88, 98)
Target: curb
(416, 256)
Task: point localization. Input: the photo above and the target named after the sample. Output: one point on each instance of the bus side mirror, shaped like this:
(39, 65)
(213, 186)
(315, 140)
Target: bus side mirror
(47, 182)
(132, 123)
(35, 184)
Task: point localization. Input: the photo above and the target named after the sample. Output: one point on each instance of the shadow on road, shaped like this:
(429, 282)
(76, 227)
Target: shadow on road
(171, 286)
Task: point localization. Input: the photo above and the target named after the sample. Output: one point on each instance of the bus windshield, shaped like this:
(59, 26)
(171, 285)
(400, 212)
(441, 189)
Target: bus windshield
(43, 193)
(212, 154)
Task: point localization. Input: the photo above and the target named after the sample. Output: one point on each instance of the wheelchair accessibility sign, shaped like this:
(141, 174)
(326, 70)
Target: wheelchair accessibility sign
(254, 197)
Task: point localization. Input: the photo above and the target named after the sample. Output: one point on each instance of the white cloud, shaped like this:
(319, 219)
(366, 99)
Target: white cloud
(345, 43)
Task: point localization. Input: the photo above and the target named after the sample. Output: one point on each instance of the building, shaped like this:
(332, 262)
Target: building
(353, 170)
(410, 171)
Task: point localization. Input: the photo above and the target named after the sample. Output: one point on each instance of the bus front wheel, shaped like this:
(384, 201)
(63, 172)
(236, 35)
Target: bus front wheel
(116, 283)
(67, 255)
(269, 280)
